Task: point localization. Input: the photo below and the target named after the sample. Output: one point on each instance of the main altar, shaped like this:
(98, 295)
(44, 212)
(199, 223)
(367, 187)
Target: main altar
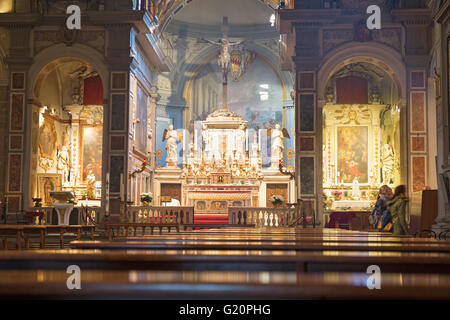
(223, 168)
(222, 165)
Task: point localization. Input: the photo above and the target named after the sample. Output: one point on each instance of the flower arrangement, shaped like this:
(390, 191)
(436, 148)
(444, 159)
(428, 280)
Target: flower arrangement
(277, 199)
(146, 198)
(72, 201)
(337, 194)
(88, 194)
(373, 195)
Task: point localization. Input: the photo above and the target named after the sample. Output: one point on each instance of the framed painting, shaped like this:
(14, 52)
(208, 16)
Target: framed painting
(352, 154)
(46, 183)
(47, 140)
(91, 148)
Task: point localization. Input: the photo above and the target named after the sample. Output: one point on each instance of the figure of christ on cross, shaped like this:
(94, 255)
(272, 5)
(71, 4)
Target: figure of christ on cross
(224, 57)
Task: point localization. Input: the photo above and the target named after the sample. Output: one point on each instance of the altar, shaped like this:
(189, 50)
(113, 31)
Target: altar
(360, 154)
(222, 167)
(221, 163)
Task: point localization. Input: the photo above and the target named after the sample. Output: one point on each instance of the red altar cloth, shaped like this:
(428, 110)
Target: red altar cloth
(341, 217)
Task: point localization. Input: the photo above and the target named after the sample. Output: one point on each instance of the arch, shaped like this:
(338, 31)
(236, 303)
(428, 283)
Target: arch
(211, 52)
(387, 58)
(179, 5)
(58, 51)
(40, 61)
(184, 85)
(392, 63)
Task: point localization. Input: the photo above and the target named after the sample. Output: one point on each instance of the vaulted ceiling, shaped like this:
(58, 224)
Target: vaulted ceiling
(211, 12)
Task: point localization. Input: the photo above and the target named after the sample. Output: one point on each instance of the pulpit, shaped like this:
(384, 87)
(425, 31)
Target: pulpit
(63, 208)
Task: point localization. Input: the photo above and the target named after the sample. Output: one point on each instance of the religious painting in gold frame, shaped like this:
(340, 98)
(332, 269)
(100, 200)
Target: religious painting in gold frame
(91, 151)
(48, 182)
(352, 154)
(48, 139)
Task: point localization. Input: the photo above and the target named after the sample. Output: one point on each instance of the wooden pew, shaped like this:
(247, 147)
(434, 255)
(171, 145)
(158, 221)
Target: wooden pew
(273, 245)
(22, 231)
(244, 260)
(279, 238)
(74, 229)
(11, 230)
(218, 285)
(116, 227)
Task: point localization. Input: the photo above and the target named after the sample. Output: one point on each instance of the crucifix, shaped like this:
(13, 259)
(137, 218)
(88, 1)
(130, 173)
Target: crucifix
(224, 58)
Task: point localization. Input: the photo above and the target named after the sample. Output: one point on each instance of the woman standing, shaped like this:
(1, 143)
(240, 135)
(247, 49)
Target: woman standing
(397, 207)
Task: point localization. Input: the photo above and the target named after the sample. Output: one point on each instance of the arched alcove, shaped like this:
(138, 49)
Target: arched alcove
(67, 89)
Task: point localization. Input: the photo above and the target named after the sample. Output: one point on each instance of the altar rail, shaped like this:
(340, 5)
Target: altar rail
(263, 217)
(161, 215)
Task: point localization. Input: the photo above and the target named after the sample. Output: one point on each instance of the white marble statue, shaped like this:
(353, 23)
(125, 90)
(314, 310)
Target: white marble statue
(255, 145)
(172, 136)
(388, 164)
(240, 140)
(356, 192)
(278, 136)
(63, 163)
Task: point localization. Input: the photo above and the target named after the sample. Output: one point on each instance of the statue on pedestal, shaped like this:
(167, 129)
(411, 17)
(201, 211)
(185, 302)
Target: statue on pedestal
(278, 136)
(172, 136)
(356, 193)
(388, 164)
(63, 163)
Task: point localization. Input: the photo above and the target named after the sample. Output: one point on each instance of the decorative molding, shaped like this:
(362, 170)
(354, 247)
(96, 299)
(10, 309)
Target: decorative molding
(307, 113)
(306, 80)
(418, 173)
(15, 143)
(119, 81)
(117, 143)
(17, 110)
(417, 112)
(14, 203)
(307, 176)
(417, 79)
(17, 81)
(418, 144)
(15, 164)
(118, 114)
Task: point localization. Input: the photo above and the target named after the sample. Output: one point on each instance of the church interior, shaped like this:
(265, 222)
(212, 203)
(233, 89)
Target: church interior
(210, 149)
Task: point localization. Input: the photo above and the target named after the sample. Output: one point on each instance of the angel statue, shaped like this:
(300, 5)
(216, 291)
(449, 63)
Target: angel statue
(278, 136)
(171, 146)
